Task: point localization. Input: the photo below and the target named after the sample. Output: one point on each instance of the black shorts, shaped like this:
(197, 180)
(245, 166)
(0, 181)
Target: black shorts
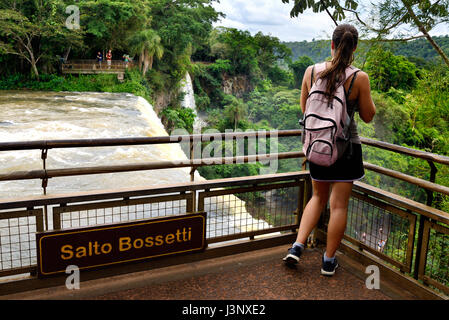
(345, 169)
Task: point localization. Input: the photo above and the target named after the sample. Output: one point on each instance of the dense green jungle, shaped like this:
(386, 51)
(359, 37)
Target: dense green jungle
(242, 81)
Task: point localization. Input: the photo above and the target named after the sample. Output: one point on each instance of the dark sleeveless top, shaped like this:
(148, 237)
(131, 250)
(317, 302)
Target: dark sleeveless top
(353, 106)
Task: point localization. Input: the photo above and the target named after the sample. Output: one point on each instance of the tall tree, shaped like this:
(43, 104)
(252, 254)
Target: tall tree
(109, 23)
(387, 70)
(33, 30)
(183, 26)
(270, 51)
(386, 17)
(235, 111)
(147, 44)
(299, 68)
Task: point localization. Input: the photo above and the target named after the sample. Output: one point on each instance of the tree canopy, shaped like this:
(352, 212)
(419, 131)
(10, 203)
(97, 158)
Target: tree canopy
(385, 17)
(33, 30)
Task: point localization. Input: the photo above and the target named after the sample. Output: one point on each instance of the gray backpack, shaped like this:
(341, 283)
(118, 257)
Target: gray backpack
(326, 133)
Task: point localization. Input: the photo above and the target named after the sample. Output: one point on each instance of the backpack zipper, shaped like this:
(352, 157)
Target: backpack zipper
(319, 140)
(324, 93)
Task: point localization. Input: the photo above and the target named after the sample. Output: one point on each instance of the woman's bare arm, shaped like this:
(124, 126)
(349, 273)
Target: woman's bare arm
(367, 109)
(305, 88)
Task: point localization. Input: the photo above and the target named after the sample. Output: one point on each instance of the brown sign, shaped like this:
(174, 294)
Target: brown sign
(111, 244)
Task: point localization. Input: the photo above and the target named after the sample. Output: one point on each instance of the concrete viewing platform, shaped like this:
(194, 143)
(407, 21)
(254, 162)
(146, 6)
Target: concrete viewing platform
(254, 275)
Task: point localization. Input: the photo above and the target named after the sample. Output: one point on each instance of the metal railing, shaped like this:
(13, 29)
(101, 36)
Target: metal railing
(398, 231)
(74, 66)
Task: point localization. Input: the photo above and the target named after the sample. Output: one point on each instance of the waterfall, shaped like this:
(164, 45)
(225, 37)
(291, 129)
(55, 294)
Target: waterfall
(189, 102)
(78, 115)
(237, 213)
(32, 115)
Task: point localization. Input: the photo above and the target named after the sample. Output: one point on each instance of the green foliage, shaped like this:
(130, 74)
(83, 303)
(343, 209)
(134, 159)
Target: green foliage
(418, 51)
(183, 27)
(35, 31)
(317, 50)
(229, 171)
(429, 112)
(147, 44)
(108, 23)
(387, 70)
(178, 118)
(242, 50)
(278, 106)
(220, 66)
(390, 122)
(134, 83)
(280, 76)
(234, 111)
(317, 6)
(299, 68)
(255, 56)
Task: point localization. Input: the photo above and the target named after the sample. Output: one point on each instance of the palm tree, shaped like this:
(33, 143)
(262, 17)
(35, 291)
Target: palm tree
(147, 44)
(235, 111)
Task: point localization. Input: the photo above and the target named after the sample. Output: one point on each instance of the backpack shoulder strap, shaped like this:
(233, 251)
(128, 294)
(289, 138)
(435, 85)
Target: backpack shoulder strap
(348, 73)
(311, 77)
(316, 69)
(352, 83)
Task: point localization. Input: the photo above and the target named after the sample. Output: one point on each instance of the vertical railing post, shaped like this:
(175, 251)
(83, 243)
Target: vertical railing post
(192, 158)
(44, 154)
(301, 203)
(192, 172)
(422, 219)
(44, 167)
(311, 240)
(433, 173)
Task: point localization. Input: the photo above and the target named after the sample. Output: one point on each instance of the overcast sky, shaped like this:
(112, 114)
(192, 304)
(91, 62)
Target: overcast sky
(273, 17)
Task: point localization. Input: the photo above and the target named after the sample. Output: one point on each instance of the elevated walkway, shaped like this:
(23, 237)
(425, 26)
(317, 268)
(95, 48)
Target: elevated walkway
(252, 275)
(246, 237)
(117, 67)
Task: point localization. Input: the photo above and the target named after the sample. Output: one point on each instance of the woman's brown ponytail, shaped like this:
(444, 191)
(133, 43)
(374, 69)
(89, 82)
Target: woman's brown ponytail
(345, 39)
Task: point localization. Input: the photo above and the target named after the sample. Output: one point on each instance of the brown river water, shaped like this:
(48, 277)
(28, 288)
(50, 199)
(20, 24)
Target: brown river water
(31, 115)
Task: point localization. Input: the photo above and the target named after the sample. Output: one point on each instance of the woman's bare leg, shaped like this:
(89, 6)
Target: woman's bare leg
(339, 199)
(313, 210)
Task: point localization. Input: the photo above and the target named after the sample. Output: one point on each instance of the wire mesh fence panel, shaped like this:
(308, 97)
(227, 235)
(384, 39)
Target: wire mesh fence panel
(381, 229)
(18, 240)
(434, 264)
(76, 216)
(277, 207)
(256, 210)
(437, 266)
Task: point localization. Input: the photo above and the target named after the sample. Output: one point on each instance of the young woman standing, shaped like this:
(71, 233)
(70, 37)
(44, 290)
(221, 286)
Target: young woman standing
(335, 181)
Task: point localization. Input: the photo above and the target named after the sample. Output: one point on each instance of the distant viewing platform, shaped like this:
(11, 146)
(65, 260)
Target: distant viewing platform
(94, 67)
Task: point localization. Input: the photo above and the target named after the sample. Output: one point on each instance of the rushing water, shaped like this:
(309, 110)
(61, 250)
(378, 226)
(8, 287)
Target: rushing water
(27, 116)
(189, 102)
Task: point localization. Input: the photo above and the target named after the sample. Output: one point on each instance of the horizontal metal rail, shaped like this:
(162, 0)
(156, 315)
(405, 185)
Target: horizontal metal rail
(153, 190)
(406, 151)
(80, 143)
(53, 173)
(405, 177)
(45, 145)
